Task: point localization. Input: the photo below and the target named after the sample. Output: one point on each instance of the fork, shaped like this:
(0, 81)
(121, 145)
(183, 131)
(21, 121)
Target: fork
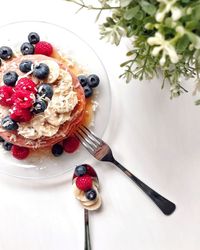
(102, 152)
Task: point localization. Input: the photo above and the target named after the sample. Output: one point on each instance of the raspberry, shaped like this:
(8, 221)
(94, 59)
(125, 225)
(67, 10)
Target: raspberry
(6, 93)
(23, 99)
(84, 182)
(43, 48)
(20, 115)
(26, 84)
(90, 170)
(19, 152)
(71, 144)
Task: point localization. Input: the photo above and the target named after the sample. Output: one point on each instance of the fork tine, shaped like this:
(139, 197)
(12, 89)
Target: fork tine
(84, 142)
(90, 139)
(91, 135)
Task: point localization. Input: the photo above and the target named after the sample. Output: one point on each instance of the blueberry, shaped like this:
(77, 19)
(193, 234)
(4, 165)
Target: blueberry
(45, 90)
(88, 91)
(91, 194)
(10, 78)
(27, 49)
(1, 139)
(57, 150)
(5, 53)
(83, 80)
(8, 124)
(41, 71)
(93, 81)
(39, 106)
(7, 145)
(80, 170)
(33, 38)
(25, 66)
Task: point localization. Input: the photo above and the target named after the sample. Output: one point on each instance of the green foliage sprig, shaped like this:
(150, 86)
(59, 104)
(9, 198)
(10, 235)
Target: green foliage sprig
(165, 37)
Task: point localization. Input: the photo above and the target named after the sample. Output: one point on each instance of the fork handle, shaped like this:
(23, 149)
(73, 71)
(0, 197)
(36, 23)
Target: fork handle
(166, 206)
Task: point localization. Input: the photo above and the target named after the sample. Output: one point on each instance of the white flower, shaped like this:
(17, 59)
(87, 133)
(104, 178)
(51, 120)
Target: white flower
(176, 13)
(164, 46)
(180, 30)
(169, 6)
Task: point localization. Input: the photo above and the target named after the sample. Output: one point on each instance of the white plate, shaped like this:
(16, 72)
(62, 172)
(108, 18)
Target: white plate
(43, 166)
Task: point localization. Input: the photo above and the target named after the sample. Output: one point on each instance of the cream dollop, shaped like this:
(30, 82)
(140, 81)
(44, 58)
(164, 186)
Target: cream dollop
(58, 111)
(80, 195)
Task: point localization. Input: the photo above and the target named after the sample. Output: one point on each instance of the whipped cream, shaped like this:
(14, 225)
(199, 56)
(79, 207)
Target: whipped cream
(80, 195)
(58, 110)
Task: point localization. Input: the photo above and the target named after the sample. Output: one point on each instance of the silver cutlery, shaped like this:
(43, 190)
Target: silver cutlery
(87, 245)
(102, 152)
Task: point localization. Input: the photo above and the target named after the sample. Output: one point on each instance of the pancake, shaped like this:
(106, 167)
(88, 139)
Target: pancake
(67, 128)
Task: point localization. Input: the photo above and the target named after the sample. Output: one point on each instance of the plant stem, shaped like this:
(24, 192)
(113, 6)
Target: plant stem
(82, 5)
(145, 62)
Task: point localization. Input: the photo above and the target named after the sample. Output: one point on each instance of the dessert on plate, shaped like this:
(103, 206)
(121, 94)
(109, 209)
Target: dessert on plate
(42, 99)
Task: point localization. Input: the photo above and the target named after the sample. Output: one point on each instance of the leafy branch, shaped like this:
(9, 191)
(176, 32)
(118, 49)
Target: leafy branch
(165, 37)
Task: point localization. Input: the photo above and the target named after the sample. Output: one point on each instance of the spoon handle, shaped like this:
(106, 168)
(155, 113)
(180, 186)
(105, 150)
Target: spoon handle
(87, 230)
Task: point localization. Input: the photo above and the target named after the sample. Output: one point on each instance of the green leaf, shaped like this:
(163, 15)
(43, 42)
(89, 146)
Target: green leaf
(192, 25)
(131, 52)
(194, 39)
(139, 15)
(185, 1)
(197, 102)
(125, 63)
(148, 7)
(124, 3)
(196, 13)
(130, 13)
(98, 15)
(182, 44)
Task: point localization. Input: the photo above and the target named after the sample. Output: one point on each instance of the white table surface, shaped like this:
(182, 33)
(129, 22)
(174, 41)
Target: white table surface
(156, 138)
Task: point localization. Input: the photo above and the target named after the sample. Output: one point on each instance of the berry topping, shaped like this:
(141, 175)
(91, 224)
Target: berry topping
(90, 170)
(25, 66)
(7, 145)
(83, 80)
(1, 139)
(91, 194)
(10, 78)
(41, 71)
(43, 48)
(93, 81)
(71, 144)
(45, 90)
(39, 106)
(33, 38)
(80, 170)
(88, 91)
(20, 115)
(6, 93)
(27, 49)
(84, 169)
(26, 84)
(84, 182)
(19, 153)
(8, 124)
(57, 150)
(23, 99)
(5, 53)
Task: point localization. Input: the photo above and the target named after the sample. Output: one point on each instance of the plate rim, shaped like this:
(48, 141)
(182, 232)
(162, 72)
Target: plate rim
(61, 173)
